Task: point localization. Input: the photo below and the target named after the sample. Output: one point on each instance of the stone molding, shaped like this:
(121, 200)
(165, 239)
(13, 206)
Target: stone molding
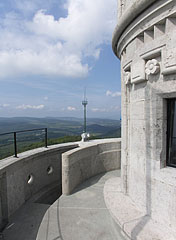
(125, 33)
(130, 14)
(138, 70)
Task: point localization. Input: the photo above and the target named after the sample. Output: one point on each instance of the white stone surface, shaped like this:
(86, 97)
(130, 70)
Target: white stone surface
(148, 36)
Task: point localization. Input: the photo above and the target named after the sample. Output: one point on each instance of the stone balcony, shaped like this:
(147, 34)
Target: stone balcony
(31, 205)
(71, 192)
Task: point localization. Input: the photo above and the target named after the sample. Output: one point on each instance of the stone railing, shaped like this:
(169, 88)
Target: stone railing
(36, 172)
(32, 172)
(90, 159)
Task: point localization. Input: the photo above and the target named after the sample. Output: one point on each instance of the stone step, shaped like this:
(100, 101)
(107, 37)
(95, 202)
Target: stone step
(134, 224)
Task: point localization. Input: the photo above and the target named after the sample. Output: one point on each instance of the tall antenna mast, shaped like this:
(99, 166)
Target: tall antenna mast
(84, 103)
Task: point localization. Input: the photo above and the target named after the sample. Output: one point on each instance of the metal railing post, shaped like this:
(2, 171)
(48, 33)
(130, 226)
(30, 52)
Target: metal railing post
(46, 138)
(23, 131)
(15, 144)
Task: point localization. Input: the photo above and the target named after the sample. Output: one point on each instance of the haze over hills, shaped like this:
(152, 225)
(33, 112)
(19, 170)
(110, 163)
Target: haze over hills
(58, 127)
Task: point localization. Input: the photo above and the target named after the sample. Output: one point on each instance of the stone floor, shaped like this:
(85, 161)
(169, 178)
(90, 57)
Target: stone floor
(135, 224)
(80, 216)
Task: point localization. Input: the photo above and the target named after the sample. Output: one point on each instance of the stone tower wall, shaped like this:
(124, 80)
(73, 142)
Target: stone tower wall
(146, 45)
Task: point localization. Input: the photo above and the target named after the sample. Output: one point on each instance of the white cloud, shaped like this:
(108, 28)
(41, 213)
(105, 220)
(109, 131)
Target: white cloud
(47, 62)
(46, 98)
(24, 107)
(71, 108)
(108, 109)
(50, 46)
(113, 94)
(4, 105)
(99, 110)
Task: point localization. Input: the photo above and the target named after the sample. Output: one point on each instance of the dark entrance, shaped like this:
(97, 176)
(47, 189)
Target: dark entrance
(171, 132)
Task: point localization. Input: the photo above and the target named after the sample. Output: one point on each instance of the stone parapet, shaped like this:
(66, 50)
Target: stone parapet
(90, 159)
(22, 177)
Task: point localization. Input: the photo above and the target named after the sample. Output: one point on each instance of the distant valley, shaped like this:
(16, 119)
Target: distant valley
(59, 130)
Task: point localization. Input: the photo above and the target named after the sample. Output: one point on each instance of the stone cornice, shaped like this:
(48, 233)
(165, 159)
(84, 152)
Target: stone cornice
(130, 14)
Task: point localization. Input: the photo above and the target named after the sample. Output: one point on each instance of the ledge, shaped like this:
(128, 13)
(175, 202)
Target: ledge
(129, 15)
(27, 155)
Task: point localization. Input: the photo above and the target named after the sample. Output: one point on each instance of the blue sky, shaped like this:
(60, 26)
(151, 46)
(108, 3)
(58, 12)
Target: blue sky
(50, 50)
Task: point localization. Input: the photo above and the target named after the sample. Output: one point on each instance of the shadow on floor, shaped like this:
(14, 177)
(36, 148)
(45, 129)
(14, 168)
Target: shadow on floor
(25, 223)
(82, 215)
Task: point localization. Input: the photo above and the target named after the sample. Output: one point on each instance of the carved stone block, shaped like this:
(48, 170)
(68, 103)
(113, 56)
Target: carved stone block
(152, 67)
(138, 71)
(169, 61)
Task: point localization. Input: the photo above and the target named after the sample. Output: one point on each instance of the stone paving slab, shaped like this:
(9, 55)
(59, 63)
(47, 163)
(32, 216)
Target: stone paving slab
(80, 216)
(87, 198)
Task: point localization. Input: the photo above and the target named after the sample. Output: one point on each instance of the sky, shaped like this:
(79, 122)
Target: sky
(50, 51)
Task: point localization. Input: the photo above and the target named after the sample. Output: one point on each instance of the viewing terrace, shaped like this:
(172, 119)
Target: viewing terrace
(59, 192)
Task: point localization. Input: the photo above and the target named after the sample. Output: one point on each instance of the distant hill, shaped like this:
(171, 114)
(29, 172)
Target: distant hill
(59, 126)
(59, 130)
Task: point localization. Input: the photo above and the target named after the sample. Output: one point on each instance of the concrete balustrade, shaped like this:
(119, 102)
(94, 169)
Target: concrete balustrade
(36, 172)
(33, 171)
(90, 159)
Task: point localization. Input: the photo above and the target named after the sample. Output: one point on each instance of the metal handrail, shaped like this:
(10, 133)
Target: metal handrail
(23, 131)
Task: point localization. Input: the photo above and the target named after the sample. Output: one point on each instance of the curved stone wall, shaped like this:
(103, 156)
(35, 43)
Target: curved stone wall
(146, 46)
(135, 15)
(31, 172)
(132, 6)
(90, 159)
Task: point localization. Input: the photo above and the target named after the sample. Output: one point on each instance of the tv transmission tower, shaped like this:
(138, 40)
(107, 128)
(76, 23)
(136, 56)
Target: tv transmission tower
(84, 103)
